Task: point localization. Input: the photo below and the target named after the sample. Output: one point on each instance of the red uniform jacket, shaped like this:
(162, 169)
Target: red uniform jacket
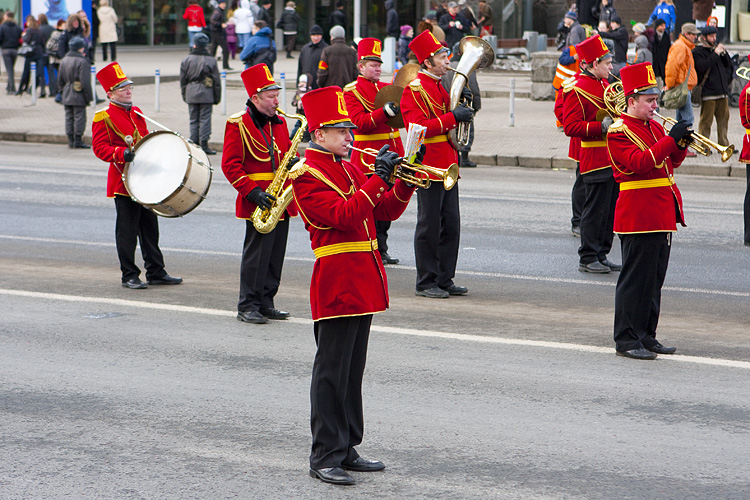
(579, 120)
(575, 143)
(745, 118)
(339, 206)
(427, 103)
(372, 130)
(644, 160)
(245, 160)
(109, 130)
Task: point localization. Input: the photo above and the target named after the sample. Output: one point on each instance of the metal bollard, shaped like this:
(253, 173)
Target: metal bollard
(157, 80)
(223, 92)
(33, 84)
(93, 88)
(283, 92)
(512, 102)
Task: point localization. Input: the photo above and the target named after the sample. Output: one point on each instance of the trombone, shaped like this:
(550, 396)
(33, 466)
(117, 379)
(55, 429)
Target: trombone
(414, 173)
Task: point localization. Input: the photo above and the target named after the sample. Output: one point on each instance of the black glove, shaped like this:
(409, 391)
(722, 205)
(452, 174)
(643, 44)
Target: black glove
(128, 155)
(260, 198)
(385, 163)
(680, 132)
(606, 123)
(420, 154)
(391, 109)
(463, 113)
(467, 94)
(292, 162)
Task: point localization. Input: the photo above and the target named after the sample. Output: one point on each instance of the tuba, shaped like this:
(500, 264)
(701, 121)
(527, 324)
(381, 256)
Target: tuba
(265, 220)
(475, 53)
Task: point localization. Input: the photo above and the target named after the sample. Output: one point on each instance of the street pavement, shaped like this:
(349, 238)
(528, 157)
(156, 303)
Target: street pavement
(532, 141)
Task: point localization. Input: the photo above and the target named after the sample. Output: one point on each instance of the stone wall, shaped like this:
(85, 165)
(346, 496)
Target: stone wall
(543, 66)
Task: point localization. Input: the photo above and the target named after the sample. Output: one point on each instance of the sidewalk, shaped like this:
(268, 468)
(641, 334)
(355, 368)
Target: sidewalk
(533, 141)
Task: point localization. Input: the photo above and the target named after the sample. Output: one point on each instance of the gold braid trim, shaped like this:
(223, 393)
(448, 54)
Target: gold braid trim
(299, 169)
(369, 106)
(249, 141)
(322, 178)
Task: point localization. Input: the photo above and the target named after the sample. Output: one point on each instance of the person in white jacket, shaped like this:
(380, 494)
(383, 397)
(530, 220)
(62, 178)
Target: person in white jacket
(107, 29)
(243, 22)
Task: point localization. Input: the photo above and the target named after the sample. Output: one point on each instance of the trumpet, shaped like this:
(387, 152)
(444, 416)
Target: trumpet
(700, 143)
(416, 174)
(614, 99)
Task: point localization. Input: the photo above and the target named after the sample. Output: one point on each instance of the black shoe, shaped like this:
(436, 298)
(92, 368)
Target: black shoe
(274, 313)
(455, 290)
(640, 353)
(333, 475)
(611, 265)
(747, 243)
(660, 349)
(206, 149)
(228, 69)
(575, 231)
(387, 259)
(134, 284)
(593, 267)
(42, 96)
(433, 293)
(79, 144)
(363, 465)
(252, 317)
(165, 280)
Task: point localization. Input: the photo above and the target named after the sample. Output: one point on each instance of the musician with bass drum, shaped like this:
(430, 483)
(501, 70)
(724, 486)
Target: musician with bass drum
(256, 141)
(112, 129)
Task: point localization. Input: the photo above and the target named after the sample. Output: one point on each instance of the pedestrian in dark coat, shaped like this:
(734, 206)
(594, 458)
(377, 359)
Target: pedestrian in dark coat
(33, 37)
(73, 28)
(391, 20)
(662, 43)
(74, 81)
(219, 34)
(264, 14)
(454, 24)
(199, 84)
(407, 34)
(10, 34)
(338, 63)
(288, 23)
(309, 57)
(712, 61)
(337, 17)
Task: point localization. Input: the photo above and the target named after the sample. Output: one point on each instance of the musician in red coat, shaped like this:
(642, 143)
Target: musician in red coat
(255, 142)
(585, 118)
(745, 153)
(373, 131)
(647, 212)
(134, 222)
(339, 205)
(438, 231)
(578, 192)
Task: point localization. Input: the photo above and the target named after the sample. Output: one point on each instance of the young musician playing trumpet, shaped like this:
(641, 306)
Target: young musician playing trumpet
(647, 211)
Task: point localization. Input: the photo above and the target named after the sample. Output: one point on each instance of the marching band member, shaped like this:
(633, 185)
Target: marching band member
(134, 221)
(578, 192)
(255, 142)
(580, 120)
(647, 212)
(437, 235)
(373, 130)
(745, 154)
(339, 206)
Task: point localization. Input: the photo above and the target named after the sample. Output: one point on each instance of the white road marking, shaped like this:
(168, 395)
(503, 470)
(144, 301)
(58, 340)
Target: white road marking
(547, 279)
(381, 329)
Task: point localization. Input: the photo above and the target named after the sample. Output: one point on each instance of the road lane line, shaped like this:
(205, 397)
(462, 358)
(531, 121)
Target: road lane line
(548, 279)
(462, 337)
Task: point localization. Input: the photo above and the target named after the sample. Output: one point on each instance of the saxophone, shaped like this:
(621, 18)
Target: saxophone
(265, 220)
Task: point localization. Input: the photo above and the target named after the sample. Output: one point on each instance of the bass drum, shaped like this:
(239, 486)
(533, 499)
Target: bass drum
(169, 175)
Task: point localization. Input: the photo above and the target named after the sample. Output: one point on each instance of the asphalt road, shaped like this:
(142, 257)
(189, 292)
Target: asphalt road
(513, 391)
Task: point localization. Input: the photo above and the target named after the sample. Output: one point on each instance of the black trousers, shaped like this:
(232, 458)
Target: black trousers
(290, 41)
(220, 40)
(336, 418)
(381, 229)
(262, 261)
(136, 223)
(577, 197)
(437, 236)
(113, 48)
(645, 258)
(747, 206)
(598, 216)
(200, 121)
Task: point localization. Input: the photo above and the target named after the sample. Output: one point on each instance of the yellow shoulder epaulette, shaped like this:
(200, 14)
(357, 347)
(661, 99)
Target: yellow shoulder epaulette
(297, 170)
(101, 115)
(569, 84)
(237, 117)
(617, 126)
(350, 86)
(415, 83)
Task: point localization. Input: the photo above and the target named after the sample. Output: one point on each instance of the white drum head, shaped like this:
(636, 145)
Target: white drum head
(159, 167)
